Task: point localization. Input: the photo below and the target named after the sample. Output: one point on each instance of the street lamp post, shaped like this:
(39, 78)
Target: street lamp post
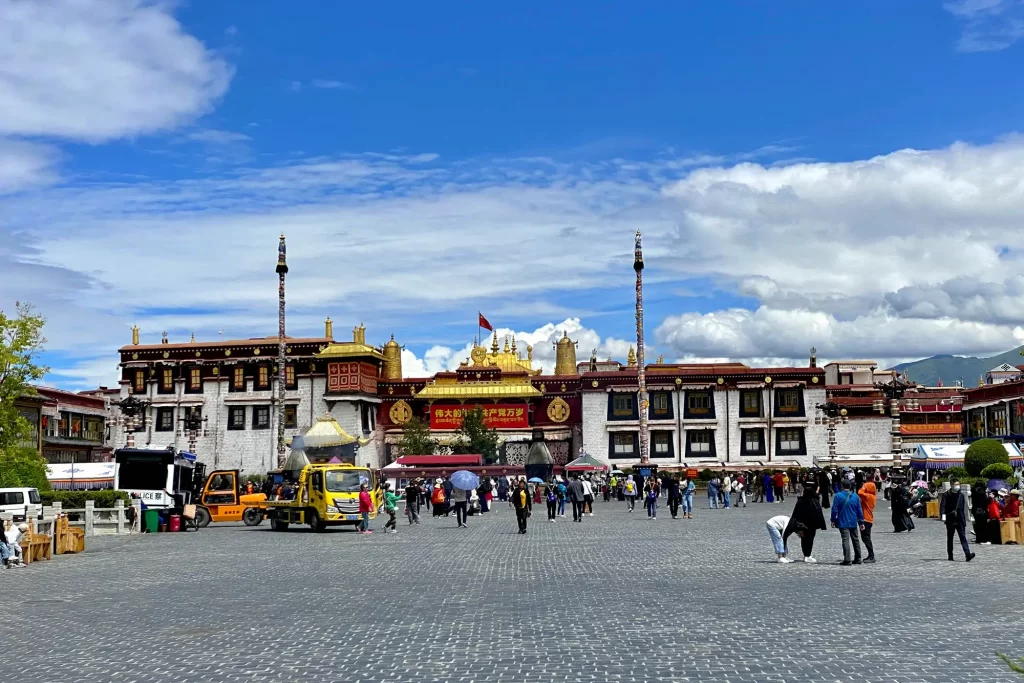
(831, 414)
(894, 390)
(133, 417)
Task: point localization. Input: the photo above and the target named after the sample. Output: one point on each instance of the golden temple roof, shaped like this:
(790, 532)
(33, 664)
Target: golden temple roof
(494, 390)
(506, 360)
(349, 350)
(327, 433)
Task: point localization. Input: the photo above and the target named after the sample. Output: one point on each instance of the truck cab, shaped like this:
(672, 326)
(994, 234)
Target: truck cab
(221, 500)
(327, 495)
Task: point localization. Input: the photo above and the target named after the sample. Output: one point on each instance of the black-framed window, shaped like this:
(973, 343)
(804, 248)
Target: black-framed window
(367, 415)
(750, 403)
(164, 420)
(661, 406)
(790, 441)
(622, 445)
(261, 417)
(700, 443)
(289, 377)
(194, 385)
(662, 444)
(139, 383)
(188, 411)
(789, 403)
(166, 381)
(236, 417)
(237, 378)
(622, 406)
(291, 417)
(700, 405)
(263, 375)
(752, 442)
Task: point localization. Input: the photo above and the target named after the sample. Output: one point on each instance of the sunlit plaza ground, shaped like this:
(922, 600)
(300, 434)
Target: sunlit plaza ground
(616, 598)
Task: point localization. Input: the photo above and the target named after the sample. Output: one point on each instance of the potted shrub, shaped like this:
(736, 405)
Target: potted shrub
(997, 474)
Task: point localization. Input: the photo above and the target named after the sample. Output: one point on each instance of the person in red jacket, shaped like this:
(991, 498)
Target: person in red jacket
(365, 508)
(995, 512)
(1011, 508)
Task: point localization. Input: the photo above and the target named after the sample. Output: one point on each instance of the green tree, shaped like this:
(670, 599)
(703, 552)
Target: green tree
(997, 470)
(416, 439)
(982, 453)
(474, 436)
(21, 340)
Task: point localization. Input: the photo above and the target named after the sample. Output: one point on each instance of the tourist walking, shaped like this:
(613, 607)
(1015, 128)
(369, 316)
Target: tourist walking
(809, 515)
(438, 498)
(899, 503)
(776, 525)
(713, 493)
(953, 511)
(688, 488)
(825, 488)
(412, 502)
(726, 491)
(391, 508)
(738, 493)
(448, 488)
(576, 498)
(769, 489)
(674, 497)
(502, 489)
(551, 497)
(522, 504)
(461, 506)
(562, 492)
(629, 492)
(365, 508)
(588, 497)
(848, 517)
(867, 493)
(651, 501)
(779, 485)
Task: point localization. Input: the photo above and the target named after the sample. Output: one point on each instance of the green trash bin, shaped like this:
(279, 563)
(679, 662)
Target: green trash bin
(151, 519)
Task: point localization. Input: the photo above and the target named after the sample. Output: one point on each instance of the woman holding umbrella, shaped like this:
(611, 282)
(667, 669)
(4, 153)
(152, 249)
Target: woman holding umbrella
(463, 483)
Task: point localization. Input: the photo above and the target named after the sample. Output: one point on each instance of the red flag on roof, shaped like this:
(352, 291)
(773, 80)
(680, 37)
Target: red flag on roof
(483, 322)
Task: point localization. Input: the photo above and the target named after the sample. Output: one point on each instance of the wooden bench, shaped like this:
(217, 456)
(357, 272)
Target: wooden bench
(1008, 531)
(932, 509)
(36, 547)
(67, 539)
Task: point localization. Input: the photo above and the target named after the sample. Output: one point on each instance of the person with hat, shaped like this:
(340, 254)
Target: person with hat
(412, 502)
(1011, 506)
(521, 501)
(848, 517)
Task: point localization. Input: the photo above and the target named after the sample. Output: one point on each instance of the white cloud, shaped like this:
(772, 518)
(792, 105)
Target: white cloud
(217, 137)
(24, 165)
(95, 71)
(988, 25)
(331, 85)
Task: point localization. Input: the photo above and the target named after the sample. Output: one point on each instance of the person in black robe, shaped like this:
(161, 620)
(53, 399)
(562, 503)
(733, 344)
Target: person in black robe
(825, 487)
(807, 517)
(979, 509)
(900, 504)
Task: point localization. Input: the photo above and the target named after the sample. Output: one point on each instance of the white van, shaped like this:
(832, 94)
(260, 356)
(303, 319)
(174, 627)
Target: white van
(13, 501)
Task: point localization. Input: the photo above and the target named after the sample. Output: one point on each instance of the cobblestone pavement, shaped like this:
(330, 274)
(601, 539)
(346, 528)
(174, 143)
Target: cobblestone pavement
(616, 598)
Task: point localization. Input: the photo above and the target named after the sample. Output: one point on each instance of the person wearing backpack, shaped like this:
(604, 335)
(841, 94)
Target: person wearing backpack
(651, 501)
(437, 497)
(953, 511)
(629, 491)
(561, 493)
(551, 497)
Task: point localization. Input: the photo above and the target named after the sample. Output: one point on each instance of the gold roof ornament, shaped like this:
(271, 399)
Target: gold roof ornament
(392, 360)
(631, 357)
(327, 433)
(494, 343)
(329, 328)
(506, 361)
(451, 388)
(135, 335)
(661, 359)
(193, 339)
(565, 355)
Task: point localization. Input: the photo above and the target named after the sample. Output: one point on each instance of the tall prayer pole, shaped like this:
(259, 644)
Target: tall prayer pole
(638, 266)
(282, 270)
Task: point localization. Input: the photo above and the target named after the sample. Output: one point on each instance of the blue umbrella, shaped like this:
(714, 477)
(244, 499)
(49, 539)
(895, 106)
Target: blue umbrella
(536, 480)
(465, 480)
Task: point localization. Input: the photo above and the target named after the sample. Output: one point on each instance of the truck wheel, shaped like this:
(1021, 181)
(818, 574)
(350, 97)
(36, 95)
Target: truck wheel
(314, 521)
(252, 517)
(277, 525)
(202, 518)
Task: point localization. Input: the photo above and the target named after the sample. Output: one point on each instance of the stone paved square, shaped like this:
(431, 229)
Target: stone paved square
(616, 598)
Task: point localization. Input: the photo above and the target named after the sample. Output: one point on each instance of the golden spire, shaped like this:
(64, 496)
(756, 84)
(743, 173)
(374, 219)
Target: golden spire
(494, 343)
(513, 342)
(631, 357)
(193, 339)
(506, 344)
(529, 352)
(135, 335)
(661, 359)
(565, 355)
(329, 328)
(981, 380)
(392, 360)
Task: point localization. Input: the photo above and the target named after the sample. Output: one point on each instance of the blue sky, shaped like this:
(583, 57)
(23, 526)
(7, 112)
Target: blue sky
(844, 176)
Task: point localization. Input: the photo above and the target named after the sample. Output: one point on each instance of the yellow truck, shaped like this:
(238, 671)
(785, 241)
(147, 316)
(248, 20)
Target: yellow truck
(326, 495)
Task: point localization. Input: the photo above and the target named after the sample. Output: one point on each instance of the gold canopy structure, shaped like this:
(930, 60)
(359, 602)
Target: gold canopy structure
(327, 433)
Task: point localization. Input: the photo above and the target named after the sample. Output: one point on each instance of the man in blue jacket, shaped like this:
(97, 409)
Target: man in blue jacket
(848, 517)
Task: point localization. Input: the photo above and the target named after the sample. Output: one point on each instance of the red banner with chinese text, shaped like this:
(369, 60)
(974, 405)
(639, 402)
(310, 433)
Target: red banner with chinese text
(931, 428)
(502, 416)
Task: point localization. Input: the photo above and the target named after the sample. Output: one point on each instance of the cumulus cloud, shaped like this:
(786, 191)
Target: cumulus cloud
(95, 71)
(24, 165)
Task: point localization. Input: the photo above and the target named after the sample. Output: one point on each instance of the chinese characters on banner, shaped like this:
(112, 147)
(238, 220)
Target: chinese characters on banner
(502, 416)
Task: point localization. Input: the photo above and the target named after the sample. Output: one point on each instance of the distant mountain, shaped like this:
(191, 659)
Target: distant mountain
(952, 368)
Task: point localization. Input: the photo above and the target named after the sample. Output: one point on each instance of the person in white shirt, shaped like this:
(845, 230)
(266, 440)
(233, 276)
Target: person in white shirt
(588, 497)
(776, 526)
(14, 535)
(727, 491)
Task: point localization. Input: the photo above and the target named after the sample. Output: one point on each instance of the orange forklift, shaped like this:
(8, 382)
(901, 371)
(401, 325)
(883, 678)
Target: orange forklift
(221, 500)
